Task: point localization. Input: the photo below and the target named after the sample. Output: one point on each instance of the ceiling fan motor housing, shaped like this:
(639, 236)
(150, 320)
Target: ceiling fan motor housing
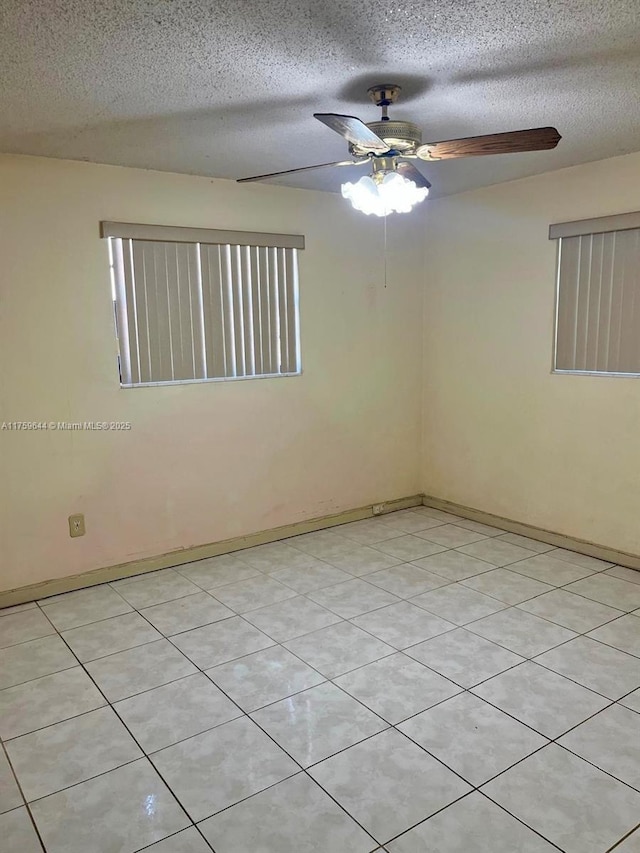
(399, 135)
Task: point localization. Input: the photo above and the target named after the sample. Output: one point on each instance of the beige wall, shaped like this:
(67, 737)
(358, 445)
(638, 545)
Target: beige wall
(501, 433)
(202, 462)
(217, 460)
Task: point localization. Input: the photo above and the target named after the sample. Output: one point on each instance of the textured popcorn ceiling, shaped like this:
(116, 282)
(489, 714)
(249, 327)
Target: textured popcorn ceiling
(228, 89)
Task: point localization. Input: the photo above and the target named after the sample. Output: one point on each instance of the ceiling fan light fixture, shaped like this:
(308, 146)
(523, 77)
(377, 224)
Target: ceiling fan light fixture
(364, 196)
(384, 193)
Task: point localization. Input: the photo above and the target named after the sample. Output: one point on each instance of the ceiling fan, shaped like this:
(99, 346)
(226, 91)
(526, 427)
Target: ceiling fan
(389, 145)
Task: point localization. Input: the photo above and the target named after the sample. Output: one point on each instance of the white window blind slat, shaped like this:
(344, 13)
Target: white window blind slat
(569, 254)
(292, 310)
(274, 310)
(254, 267)
(126, 296)
(247, 303)
(628, 321)
(626, 342)
(231, 312)
(173, 285)
(182, 287)
(155, 271)
(604, 308)
(213, 312)
(582, 306)
(598, 303)
(144, 277)
(265, 310)
(591, 318)
(166, 283)
(634, 336)
(143, 325)
(194, 311)
(282, 312)
(237, 288)
(192, 337)
(617, 294)
(124, 307)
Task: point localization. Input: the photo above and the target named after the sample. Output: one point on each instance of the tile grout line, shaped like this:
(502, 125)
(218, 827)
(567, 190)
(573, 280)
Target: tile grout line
(394, 727)
(465, 627)
(135, 740)
(148, 758)
(173, 835)
(458, 800)
(478, 788)
(467, 690)
(303, 769)
(624, 838)
(537, 832)
(278, 746)
(562, 587)
(348, 621)
(278, 644)
(25, 804)
(146, 755)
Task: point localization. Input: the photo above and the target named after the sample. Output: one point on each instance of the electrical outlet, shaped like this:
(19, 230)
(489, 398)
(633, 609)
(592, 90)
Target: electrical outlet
(76, 525)
(377, 509)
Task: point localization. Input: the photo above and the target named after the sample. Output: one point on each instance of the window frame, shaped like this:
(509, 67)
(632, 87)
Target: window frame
(202, 239)
(581, 228)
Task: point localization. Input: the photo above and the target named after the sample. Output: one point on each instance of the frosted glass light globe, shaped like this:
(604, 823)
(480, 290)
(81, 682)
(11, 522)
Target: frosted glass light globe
(394, 194)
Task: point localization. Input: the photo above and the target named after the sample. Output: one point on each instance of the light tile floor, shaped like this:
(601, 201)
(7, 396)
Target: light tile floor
(407, 683)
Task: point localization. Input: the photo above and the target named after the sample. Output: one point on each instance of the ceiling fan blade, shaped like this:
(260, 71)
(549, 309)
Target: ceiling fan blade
(409, 171)
(354, 131)
(301, 169)
(537, 139)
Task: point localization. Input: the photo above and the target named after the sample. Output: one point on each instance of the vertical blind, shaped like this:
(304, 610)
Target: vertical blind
(189, 311)
(598, 298)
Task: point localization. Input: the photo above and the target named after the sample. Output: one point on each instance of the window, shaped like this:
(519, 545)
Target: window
(598, 296)
(197, 304)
